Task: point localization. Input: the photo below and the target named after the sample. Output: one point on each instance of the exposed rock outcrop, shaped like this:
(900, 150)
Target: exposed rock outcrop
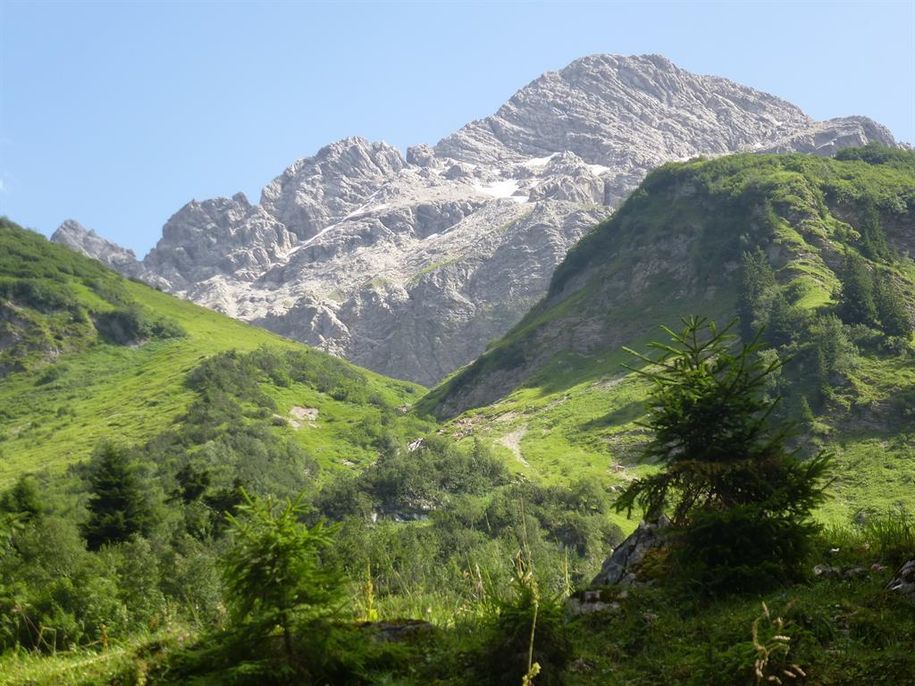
(621, 567)
(86, 242)
(904, 581)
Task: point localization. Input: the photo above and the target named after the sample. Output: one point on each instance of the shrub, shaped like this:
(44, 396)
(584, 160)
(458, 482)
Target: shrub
(128, 325)
(743, 549)
(42, 294)
(524, 636)
(60, 595)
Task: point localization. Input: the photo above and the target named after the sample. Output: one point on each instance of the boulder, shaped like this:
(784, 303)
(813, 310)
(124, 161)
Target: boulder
(622, 564)
(904, 581)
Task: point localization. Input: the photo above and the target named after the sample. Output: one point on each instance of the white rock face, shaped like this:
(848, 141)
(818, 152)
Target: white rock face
(411, 266)
(86, 242)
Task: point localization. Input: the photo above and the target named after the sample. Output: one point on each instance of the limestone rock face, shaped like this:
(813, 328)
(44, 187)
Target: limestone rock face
(86, 242)
(217, 237)
(828, 137)
(410, 266)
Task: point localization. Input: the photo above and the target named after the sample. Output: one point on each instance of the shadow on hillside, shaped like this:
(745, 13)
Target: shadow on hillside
(624, 415)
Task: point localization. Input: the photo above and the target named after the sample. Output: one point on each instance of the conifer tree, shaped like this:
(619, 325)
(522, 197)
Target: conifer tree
(23, 499)
(739, 498)
(783, 322)
(757, 282)
(274, 573)
(856, 304)
(873, 238)
(118, 508)
(833, 350)
(891, 308)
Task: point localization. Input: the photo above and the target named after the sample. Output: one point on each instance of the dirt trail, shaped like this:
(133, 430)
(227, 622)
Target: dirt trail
(512, 441)
(302, 415)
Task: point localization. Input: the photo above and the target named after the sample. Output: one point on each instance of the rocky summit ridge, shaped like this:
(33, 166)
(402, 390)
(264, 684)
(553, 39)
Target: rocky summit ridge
(410, 265)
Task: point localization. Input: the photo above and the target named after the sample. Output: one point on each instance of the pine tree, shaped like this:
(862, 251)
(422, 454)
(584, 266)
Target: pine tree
(274, 573)
(856, 303)
(117, 505)
(783, 322)
(757, 282)
(23, 499)
(873, 238)
(739, 498)
(891, 308)
(834, 351)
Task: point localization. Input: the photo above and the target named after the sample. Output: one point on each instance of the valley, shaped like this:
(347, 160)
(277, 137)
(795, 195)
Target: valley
(613, 386)
(430, 494)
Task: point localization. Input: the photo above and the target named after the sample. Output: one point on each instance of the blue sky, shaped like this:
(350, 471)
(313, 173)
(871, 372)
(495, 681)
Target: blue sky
(116, 114)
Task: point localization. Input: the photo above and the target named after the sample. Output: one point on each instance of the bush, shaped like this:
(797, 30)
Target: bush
(61, 595)
(524, 629)
(129, 325)
(413, 483)
(42, 294)
(744, 549)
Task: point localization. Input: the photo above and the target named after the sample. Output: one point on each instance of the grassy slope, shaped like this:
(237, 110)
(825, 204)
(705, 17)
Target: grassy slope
(571, 413)
(98, 390)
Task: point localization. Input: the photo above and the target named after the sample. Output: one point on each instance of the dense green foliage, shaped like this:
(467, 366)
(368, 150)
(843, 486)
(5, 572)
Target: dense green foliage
(761, 237)
(524, 634)
(117, 505)
(414, 524)
(131, 325)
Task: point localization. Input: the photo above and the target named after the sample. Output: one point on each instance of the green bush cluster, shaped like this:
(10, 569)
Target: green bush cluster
(41, 294)
(130, 325)
(135, 536)
(820, 347)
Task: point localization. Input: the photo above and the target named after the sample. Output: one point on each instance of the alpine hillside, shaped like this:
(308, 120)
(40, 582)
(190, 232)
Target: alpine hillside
(87, 355)
(817, 251)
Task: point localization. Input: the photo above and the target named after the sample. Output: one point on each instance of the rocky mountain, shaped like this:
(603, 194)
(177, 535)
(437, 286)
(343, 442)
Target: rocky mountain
(411, 265)
(86, 242)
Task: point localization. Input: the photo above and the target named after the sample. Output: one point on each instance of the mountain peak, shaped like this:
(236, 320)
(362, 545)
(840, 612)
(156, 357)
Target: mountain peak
(87, 242)
(635, 111)
(70, 228)
(615, 61)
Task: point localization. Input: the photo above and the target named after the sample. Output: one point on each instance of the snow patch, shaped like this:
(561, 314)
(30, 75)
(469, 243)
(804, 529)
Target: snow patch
(538, 163)
(501, 189)
(498, 189)
(597, 169)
